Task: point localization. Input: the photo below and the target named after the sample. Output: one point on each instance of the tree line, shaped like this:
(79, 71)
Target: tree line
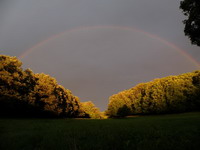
(171, 94)
(25, 93)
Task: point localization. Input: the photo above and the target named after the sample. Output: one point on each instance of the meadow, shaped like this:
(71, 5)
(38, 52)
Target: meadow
(163, 132)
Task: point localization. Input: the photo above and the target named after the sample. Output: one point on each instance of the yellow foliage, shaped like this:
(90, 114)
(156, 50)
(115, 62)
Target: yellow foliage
(38, 90)
(90, 109)
(169, 94)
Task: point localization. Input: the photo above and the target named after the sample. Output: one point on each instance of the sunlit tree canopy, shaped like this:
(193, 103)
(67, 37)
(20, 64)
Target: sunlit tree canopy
(166, 95)
(29, 93)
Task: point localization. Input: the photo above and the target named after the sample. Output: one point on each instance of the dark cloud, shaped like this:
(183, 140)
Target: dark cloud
(24, 23)
(97, 62)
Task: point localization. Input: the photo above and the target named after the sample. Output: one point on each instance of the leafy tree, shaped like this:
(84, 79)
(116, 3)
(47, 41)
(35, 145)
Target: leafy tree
(13, 80)
(191, 9)
(15, 85)
(22, 91)
(91, 111)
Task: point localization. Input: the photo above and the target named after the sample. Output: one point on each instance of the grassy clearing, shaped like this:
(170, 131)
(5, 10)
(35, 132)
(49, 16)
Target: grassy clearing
(164, 132)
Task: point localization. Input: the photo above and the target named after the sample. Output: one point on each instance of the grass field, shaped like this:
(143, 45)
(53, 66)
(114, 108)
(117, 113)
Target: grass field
(163, 132)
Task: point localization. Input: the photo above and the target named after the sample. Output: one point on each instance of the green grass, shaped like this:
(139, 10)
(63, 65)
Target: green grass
(163, 132)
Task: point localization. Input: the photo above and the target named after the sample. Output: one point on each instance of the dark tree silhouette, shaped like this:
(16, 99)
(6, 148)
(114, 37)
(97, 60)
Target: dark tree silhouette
(191, 9)
(123, 111)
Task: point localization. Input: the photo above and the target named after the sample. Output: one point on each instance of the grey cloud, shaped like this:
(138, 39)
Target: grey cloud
(24, 23)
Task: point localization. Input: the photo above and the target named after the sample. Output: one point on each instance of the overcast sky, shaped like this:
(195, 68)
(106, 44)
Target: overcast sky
(25, 23)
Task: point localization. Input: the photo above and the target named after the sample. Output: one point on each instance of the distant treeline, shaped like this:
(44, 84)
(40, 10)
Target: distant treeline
(24, 93)
(171, 94)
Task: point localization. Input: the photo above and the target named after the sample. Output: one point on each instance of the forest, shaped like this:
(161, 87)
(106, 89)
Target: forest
(29, 94)
(172, 94)
(24, 93)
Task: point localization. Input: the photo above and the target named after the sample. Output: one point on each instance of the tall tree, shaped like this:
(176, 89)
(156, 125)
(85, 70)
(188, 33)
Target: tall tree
(23, 92)
(191, 9)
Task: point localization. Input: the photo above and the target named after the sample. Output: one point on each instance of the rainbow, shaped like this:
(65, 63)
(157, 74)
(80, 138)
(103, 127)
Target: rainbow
(131, 29)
